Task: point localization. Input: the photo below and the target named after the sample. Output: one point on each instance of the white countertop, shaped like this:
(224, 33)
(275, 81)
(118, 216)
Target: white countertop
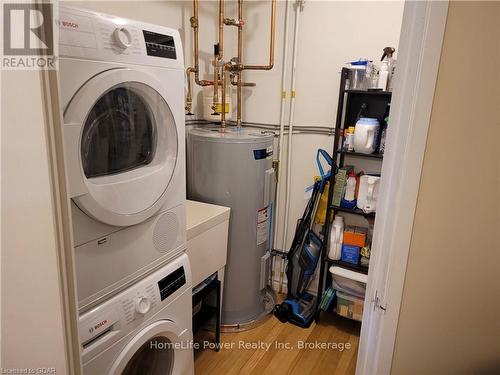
(202, 216)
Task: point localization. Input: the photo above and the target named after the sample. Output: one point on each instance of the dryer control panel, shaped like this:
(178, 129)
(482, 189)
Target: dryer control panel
(121, 314)
(159, 45)
(97, 36)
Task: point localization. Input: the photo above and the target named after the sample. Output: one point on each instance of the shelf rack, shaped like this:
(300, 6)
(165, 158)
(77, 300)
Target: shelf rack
(368, 92)
(353, 267)
(354, 211)
(360, 155)
(348, 109)
(208, 312)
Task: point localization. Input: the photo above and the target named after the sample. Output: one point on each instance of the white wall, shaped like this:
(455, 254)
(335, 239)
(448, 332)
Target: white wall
(332, 33)
(32, 326)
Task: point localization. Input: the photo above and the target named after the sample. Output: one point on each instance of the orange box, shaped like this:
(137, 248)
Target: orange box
(355, 236)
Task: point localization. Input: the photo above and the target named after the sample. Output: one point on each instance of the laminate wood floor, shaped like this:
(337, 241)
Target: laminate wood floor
(267, 352)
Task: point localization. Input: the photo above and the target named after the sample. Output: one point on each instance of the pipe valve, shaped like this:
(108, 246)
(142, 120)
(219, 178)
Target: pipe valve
(233, 22)
(194, 22)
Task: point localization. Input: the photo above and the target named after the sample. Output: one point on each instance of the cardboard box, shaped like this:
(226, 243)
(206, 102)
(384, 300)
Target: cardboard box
(350, 254)
(355, 236)
(340, 182)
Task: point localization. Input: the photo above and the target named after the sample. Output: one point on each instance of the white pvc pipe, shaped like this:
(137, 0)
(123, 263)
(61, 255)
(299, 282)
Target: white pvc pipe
(298, 9)
(282, 119)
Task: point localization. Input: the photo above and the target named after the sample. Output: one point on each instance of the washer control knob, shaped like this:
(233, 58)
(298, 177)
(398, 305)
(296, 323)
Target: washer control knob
(122, 37)
(142, 305)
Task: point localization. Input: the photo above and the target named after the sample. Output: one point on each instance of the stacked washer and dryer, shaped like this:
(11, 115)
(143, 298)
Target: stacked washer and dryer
(122, 87)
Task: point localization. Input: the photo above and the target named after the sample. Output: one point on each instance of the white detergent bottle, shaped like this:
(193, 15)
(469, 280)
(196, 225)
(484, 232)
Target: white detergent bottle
(383, 75)
(336, 238)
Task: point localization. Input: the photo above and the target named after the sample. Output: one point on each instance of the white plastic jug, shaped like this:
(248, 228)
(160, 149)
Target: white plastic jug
(336, 238)
(368, 193)
(365, 135)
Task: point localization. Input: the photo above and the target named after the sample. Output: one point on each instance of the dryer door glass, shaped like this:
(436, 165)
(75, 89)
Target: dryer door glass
(122, 141)
(119, 133)
(154, 357)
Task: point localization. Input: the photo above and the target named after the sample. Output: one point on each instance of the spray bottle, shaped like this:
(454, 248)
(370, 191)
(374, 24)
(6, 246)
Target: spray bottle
(388, 56)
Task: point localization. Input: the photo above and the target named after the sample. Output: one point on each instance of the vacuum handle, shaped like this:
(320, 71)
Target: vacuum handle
(327, 157)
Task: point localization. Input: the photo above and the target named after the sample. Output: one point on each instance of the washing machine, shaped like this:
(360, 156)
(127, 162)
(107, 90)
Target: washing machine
(122, 91)
(145, 329)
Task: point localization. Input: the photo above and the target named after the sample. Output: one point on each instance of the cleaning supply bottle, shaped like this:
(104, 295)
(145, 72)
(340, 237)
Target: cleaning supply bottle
(349, 139)
(349, 199)
(391, 62)
(383, 75)
(336, 238)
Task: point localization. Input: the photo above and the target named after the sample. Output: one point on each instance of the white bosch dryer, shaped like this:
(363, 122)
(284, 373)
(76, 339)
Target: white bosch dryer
(122, 88)
(145, 330)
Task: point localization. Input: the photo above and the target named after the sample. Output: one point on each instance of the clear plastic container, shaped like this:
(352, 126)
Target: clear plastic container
(357, 77)
(349, 282)
(349, 306)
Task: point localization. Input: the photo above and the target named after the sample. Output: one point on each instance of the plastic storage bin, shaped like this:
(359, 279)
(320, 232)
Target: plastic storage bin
(357, 77)
(349, 306)
(348, 282)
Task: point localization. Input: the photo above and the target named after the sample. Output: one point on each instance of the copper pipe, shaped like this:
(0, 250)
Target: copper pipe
(237, 69)
(216, 83)
(240, 59)
(221, 29)
(271, 44)
(195, 24)
(218, 55)
(225, 67)
(195, 69)
(189, 97)
(244, 84)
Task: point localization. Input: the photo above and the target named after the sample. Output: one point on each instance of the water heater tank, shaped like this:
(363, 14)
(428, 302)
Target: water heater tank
(233, 168)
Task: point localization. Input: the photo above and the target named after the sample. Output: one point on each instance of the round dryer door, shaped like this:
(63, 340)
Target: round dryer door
(159, 349)
(121, 139)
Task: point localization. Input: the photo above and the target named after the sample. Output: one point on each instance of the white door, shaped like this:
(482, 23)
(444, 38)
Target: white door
(159, 349)
(418, 62)
(121, 145)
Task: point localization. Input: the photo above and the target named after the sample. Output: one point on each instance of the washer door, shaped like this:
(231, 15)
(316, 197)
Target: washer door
(159, 349)
(121, 141)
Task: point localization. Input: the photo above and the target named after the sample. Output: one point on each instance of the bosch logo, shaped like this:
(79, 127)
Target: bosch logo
(100, 324)
(70, 24)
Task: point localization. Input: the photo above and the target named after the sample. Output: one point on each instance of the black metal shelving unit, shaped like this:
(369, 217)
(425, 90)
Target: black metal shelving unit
(348, 109)
(349, 266)
(354, 211)
(207, 311)
(360, 155)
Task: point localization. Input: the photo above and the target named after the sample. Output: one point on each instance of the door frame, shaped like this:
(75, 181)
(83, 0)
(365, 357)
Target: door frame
(419, 55)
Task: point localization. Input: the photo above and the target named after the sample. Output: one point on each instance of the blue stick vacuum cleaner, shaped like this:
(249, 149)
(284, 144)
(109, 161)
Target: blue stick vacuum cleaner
(300, 306)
